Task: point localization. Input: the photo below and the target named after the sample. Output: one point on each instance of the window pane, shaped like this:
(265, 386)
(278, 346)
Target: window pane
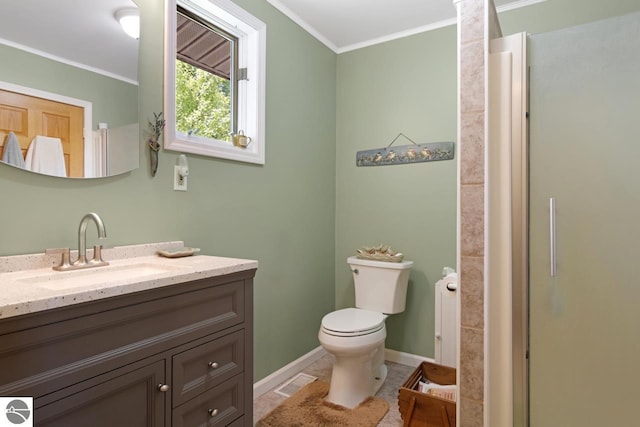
(203, 102)
(205, 75)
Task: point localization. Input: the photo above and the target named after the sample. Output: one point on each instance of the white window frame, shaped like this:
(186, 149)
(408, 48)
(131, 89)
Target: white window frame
(252, 35)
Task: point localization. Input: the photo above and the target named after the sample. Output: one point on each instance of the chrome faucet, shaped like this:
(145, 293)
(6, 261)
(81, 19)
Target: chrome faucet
(82, 261)
(82, 242)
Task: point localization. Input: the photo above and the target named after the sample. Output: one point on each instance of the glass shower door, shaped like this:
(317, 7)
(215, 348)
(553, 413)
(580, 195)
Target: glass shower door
(584, 367)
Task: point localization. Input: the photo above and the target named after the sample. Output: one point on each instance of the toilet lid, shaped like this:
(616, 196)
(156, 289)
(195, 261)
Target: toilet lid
(352, 321)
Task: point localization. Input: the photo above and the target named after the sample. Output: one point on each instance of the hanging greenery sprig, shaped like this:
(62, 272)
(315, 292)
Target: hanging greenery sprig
(155, 131)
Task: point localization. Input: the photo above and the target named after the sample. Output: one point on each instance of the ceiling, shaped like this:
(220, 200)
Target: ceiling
(86, 32)
(344, 25)
(77, 31)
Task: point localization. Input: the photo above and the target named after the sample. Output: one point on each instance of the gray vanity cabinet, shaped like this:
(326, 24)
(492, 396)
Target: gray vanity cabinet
(178, 355)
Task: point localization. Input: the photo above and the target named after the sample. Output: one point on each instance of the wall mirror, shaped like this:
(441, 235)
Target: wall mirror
(69, 87)
(215, 77)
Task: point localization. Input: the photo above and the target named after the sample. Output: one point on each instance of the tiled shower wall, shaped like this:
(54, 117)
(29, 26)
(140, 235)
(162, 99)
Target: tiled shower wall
(477, 21)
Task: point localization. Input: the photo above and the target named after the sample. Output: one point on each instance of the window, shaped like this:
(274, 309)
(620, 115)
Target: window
(206, 78)
(214, 79)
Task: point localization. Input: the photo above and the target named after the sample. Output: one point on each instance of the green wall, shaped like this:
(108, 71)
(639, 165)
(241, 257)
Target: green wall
(114, 101)
(551, 15)
(408, 86)
(281, 214)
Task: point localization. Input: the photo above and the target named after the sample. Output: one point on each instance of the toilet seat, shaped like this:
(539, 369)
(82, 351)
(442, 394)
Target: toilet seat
(350, 322)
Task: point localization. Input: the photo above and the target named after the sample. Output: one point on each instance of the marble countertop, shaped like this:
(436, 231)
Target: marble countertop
(28, 283)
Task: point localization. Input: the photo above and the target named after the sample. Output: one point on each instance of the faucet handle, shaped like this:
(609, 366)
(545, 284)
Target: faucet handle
(97, 257)
(65, 260)
(103, 243)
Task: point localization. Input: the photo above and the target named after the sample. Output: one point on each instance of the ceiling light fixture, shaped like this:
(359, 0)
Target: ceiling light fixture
(129, 18)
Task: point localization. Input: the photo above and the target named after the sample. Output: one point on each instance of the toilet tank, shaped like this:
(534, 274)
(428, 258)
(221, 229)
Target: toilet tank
(380, 286)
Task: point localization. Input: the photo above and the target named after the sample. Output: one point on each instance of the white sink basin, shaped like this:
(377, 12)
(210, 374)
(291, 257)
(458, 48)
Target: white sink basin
(111, 274)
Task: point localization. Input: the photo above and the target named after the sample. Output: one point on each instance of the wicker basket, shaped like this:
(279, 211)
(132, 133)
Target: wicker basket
(420, 409)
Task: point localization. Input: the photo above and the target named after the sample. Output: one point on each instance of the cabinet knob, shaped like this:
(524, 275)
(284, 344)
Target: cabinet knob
(213, 412)
(213, 365)
(163, 387)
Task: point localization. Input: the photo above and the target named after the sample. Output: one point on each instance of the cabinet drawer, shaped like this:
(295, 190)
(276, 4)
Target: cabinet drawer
(200, 368)
(55, 355)
(217, 407)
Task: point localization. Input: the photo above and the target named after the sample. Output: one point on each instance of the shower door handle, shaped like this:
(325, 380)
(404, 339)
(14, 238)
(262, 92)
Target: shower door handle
(552, 238)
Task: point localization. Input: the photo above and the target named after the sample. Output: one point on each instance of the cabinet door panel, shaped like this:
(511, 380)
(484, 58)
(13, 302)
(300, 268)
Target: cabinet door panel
(131, 400)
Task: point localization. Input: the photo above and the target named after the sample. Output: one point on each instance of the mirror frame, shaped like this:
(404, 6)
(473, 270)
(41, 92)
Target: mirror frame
(251, 33)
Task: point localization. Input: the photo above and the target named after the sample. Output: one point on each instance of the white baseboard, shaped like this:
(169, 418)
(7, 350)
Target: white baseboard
(281, 375)
(405, 358)
(286, 372)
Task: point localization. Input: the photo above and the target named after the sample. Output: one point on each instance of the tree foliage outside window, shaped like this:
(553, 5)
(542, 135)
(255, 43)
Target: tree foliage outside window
(203, 103)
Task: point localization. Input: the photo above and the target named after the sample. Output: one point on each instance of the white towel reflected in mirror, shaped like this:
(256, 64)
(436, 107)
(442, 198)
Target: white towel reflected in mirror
(45, 156)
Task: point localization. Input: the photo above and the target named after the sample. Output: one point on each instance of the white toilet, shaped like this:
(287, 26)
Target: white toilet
(355, 336)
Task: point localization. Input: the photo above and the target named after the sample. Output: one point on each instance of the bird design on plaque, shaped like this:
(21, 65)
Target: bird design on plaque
(404, 154)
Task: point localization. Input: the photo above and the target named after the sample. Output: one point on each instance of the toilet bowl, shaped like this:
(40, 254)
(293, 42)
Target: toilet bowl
(356, 336)
(356, 339)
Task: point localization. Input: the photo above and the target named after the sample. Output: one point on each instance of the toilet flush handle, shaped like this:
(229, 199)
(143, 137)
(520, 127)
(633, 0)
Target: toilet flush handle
(354, 271)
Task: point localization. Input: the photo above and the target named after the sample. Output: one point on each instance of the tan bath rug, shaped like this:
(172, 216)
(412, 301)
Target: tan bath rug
(307, 408)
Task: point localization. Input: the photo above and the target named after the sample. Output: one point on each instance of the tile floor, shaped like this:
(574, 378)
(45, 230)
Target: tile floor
(397, 374)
